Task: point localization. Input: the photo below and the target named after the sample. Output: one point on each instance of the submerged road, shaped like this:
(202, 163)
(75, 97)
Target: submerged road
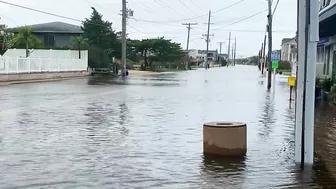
(146, 132)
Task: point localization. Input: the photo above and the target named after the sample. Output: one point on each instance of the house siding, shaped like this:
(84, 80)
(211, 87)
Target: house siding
(60, 39)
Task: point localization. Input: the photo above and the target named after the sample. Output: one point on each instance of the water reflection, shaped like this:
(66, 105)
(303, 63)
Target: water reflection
(105, 132)
(223, 165)
(155, 80)
(218, 172)
(267, 118)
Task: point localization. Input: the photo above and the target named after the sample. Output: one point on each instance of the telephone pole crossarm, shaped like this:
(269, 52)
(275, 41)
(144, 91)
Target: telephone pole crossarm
(189, 28)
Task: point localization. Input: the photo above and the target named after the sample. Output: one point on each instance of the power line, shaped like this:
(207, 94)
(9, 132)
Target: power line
(145, 35)
(181, 20)
(96, 5)
(276, 6)
(229, 6)
(189, 28)
(167, 6)
(17, 23)
(241, 20)
(51, 14)
(153, 22)
(187, 7)
(144, 5)
(193, 2)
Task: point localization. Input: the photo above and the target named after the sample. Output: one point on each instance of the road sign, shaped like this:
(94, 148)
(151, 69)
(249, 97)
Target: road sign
(275, 56)
(291, 81)
(275, 64)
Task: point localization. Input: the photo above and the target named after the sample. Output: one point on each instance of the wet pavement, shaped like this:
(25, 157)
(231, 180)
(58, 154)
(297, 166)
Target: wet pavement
(146, 132)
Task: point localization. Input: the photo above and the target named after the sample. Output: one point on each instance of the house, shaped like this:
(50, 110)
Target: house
(194, 54)
(200, 55)
(54, 34)
(326, 48)
(289, 50)
(212, 55)
(222, 57)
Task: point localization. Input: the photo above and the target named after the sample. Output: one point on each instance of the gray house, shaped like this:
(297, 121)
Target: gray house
(54, 34)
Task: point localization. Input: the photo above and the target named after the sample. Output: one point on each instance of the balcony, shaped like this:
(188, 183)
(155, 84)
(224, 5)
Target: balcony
(327, 18)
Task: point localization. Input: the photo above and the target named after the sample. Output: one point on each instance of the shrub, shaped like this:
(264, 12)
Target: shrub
(326, 84)
(285, 65)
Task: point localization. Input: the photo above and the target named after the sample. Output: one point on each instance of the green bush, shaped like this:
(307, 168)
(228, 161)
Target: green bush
(326, 84)
(284, 65)
(98, 58)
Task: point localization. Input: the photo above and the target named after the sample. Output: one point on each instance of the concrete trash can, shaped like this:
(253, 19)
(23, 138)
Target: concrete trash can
(225, 139)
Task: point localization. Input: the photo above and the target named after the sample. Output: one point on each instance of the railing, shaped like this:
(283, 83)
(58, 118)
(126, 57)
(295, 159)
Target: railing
(46, 53)
(10, 65)
(327, 5)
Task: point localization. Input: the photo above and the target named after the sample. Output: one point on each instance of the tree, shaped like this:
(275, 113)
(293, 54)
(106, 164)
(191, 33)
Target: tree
(24, 37)
(159, 50)
(79, 43)
(101, 35)
(167, 51)
(144, 47)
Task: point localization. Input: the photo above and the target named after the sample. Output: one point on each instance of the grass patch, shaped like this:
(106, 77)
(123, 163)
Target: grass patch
(285, 71)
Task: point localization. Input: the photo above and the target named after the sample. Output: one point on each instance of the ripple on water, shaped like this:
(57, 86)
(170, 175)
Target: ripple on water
(146, 132)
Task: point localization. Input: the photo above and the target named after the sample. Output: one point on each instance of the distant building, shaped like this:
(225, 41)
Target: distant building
(222, 57)
(200, 55)
(54, 34)
(212, 55)
(289, 50)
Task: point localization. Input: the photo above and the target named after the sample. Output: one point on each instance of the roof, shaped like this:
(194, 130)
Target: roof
(53, 27)
(204, 51)
(286, 40)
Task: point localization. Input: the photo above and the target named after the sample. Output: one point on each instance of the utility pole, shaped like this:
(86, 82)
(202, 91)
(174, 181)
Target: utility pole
(189, 28)
(270, 18)
(208, 34)
(232, 54)
(235, 52)
(308, 27)
(123, 40)
(229, 49)
(264, 56)
(220, 46)
(260, 57)
(220, 51)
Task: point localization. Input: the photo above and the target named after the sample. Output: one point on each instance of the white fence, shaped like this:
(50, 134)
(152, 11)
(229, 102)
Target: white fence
(46, 53)
(11, 65)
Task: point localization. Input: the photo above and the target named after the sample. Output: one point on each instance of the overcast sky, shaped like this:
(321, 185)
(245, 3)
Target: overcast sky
(154, 18)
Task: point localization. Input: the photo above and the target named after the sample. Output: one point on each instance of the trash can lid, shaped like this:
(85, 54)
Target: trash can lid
(221, 124)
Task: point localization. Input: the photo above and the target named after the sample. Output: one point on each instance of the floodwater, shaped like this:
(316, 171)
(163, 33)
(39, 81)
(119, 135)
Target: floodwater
(146, 132)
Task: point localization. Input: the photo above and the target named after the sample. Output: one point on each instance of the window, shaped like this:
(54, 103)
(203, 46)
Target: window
(324, 3)
(49, 40)
(320, 54)
(326, 61)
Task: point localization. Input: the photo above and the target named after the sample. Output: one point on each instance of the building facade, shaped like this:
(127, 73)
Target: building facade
(200, 55)
(326, 52)
(54, 34)
(289, 50)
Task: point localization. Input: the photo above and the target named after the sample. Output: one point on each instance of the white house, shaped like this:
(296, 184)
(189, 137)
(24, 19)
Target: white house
(289, 50)
(200, 55)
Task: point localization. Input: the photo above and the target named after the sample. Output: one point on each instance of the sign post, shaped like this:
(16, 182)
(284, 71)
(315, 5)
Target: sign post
(275, 61)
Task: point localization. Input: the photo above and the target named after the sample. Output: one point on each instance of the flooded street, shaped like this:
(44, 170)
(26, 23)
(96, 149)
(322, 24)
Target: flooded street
(146, 132)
